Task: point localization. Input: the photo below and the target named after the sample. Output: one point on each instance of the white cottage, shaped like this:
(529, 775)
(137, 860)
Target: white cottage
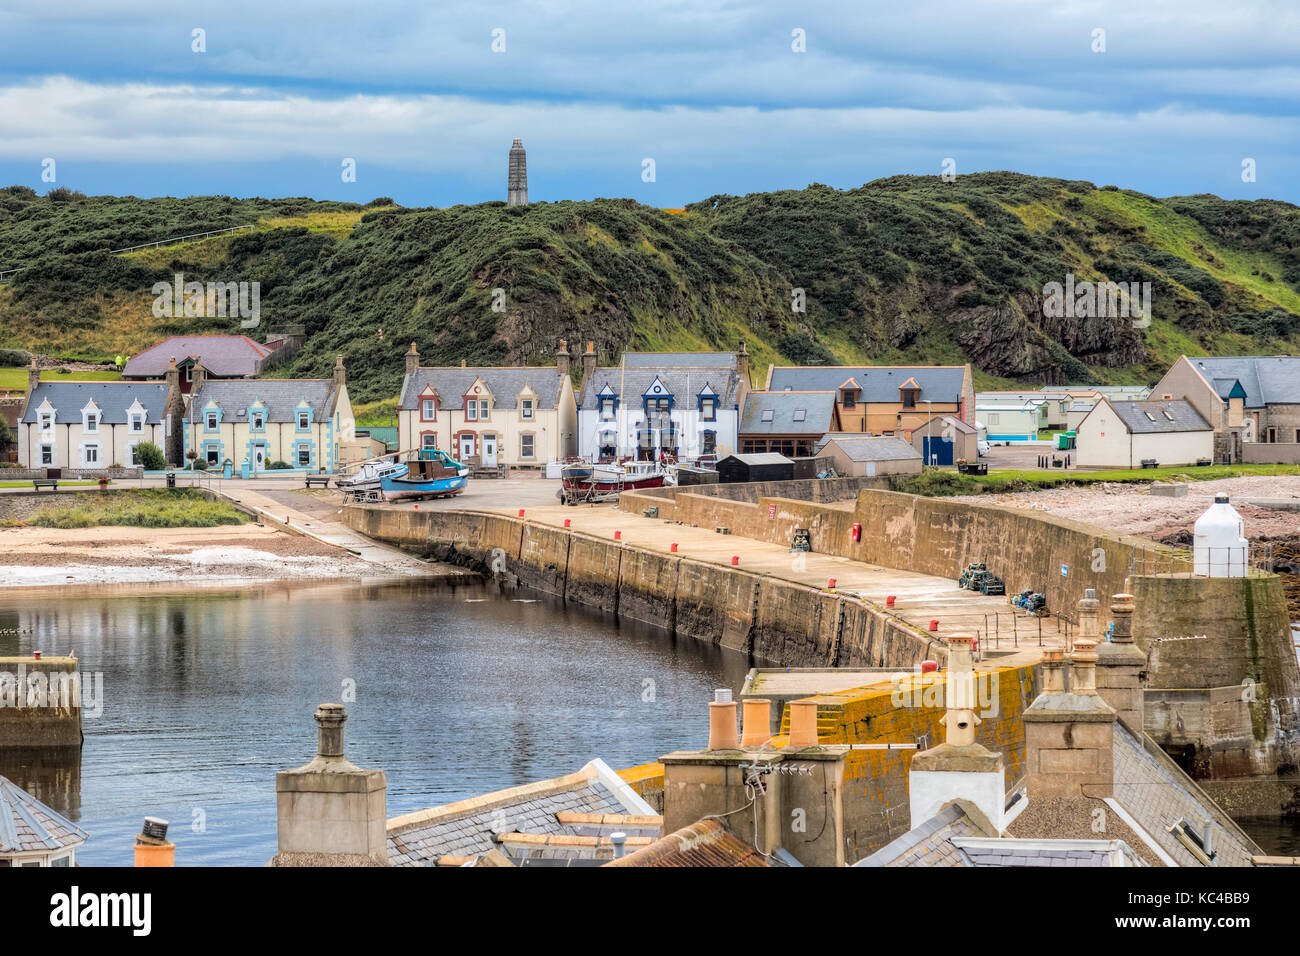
(1125, 434)
(683, 405)
(90, 426)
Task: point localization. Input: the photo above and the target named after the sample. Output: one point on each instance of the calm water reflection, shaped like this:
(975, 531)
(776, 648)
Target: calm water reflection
(458, 691)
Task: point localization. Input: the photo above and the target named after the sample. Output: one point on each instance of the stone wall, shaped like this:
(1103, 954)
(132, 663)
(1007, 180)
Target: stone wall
(33, 695)
(1282, 453)
(759, 615)
(1223, 684)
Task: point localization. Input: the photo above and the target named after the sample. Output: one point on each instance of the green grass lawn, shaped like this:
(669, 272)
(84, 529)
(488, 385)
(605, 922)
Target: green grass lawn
(938, 483)
(149, 508)
(16, 378)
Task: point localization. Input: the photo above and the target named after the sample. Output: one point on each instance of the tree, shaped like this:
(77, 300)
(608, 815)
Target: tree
(150, 457)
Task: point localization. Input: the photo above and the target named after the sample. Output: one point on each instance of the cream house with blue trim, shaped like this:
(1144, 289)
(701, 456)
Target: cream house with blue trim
(302, 422)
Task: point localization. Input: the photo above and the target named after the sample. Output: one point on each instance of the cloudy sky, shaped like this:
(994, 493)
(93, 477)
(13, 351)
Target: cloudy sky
(425, 96)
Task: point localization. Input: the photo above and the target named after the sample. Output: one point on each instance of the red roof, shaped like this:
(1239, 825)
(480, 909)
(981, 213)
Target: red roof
(225, 356)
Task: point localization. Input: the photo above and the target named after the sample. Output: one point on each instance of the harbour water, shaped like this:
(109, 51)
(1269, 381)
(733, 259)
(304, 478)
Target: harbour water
(456, 692)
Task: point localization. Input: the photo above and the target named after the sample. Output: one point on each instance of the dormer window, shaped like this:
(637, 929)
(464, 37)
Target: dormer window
(607, 409)
(658, 406)
(428, 410)
(709, 409)
(47, 421)
(137, 422)
(257, 419)
(304, 420)
(90, 419)
(526, 408)
(212, 419)
(849, 397)
(909, 398)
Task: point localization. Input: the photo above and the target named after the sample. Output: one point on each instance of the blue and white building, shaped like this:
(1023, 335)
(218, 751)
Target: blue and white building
(683, 405)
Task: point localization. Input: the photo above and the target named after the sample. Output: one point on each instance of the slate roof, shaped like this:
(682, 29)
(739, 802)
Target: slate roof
(1156, 794)
(930, 842)
(1178, 415)
(818, 410)
(948, 421)
(703, 843)
(222, 355)
(875, 449)
(505, 382)
(683, 383)
(1049, 853)
(679, 360)
(879, 383)
(27, 825)
(113, 399)
(761, 458)
(281, 396)
(466, 828)
(1267, 379)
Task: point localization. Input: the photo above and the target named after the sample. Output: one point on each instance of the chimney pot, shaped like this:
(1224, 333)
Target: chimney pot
(803, 724)
(329, 730)
(756, 723)
(620, 844)
(1053, 671)
(722, 724)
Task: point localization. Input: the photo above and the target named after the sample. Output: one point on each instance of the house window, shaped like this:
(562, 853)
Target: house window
(526, 408)
(909, 398)
(766, 415)
(92, 422)
(213, 454)
(850, 398)
(608, 446)
(189, 373)
(90, 454)
(708, 443)
(709, 409)
(137, 422)
(131, 449)
(47, 421)
(61, 861)
(212, 421)
(994, 419)
(259, 421)
(607, 409)
(304, 421)
(482, 410)
(304, 456)
(47, 454)
(656, 406)
(526, 446)
(429, 410)
(428, 440)
(471, 410)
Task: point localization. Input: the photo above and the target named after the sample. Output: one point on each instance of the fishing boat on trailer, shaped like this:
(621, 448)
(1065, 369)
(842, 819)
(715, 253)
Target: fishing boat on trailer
(430, 473)
(603, 481)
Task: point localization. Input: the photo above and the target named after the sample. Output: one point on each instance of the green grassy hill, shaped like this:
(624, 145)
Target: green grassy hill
(902, 269)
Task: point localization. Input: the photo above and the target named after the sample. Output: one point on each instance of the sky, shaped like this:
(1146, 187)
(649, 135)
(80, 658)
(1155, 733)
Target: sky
(666, 102)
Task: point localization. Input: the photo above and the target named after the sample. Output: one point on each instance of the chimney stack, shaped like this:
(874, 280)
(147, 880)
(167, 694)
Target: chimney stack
(742, 366)
(329, 806)
(588, 362)
(1069, 735)
(1089, 618)
(412, 360)
(33, 377)
(340, 376)
(562, 358)
(959, 768)
(1120, 666)
(722, 722)
(462, 363)
(200, 376)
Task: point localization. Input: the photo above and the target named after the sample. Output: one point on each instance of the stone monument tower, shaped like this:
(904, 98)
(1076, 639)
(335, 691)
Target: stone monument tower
(517, 183)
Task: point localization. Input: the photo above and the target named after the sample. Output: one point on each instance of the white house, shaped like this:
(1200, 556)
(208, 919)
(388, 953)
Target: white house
(1012, 420)
(685, 405)
(92, 425)
(1124, 434)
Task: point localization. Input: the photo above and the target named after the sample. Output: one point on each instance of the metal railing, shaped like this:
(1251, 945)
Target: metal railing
(1254, 560)
(148, 245)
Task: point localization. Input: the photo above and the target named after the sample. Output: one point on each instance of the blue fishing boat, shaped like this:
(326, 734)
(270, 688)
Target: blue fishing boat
(430, 473)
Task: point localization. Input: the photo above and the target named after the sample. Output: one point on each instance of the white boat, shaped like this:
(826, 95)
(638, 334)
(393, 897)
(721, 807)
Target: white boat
(371, 474)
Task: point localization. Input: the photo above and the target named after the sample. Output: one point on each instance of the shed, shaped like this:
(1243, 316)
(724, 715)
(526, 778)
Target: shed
(873, 456)
(813, 466)
(944, 440)
(686, 475)
(766, 466)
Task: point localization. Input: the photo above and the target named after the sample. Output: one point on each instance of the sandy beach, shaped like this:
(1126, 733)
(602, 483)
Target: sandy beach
(49, 557)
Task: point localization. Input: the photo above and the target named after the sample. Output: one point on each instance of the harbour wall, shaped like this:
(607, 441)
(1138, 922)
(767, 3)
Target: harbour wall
(40, 703)
(772, 620)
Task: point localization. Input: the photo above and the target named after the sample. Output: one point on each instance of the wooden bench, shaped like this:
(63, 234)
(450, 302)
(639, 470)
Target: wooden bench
(39, 483)
(1150, 463)
(323, 480)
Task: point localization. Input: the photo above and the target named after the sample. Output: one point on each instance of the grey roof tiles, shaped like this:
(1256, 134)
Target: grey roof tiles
(281, 396)
(1148, 418)
(113, 399)
(504, 382)
(878, 383)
